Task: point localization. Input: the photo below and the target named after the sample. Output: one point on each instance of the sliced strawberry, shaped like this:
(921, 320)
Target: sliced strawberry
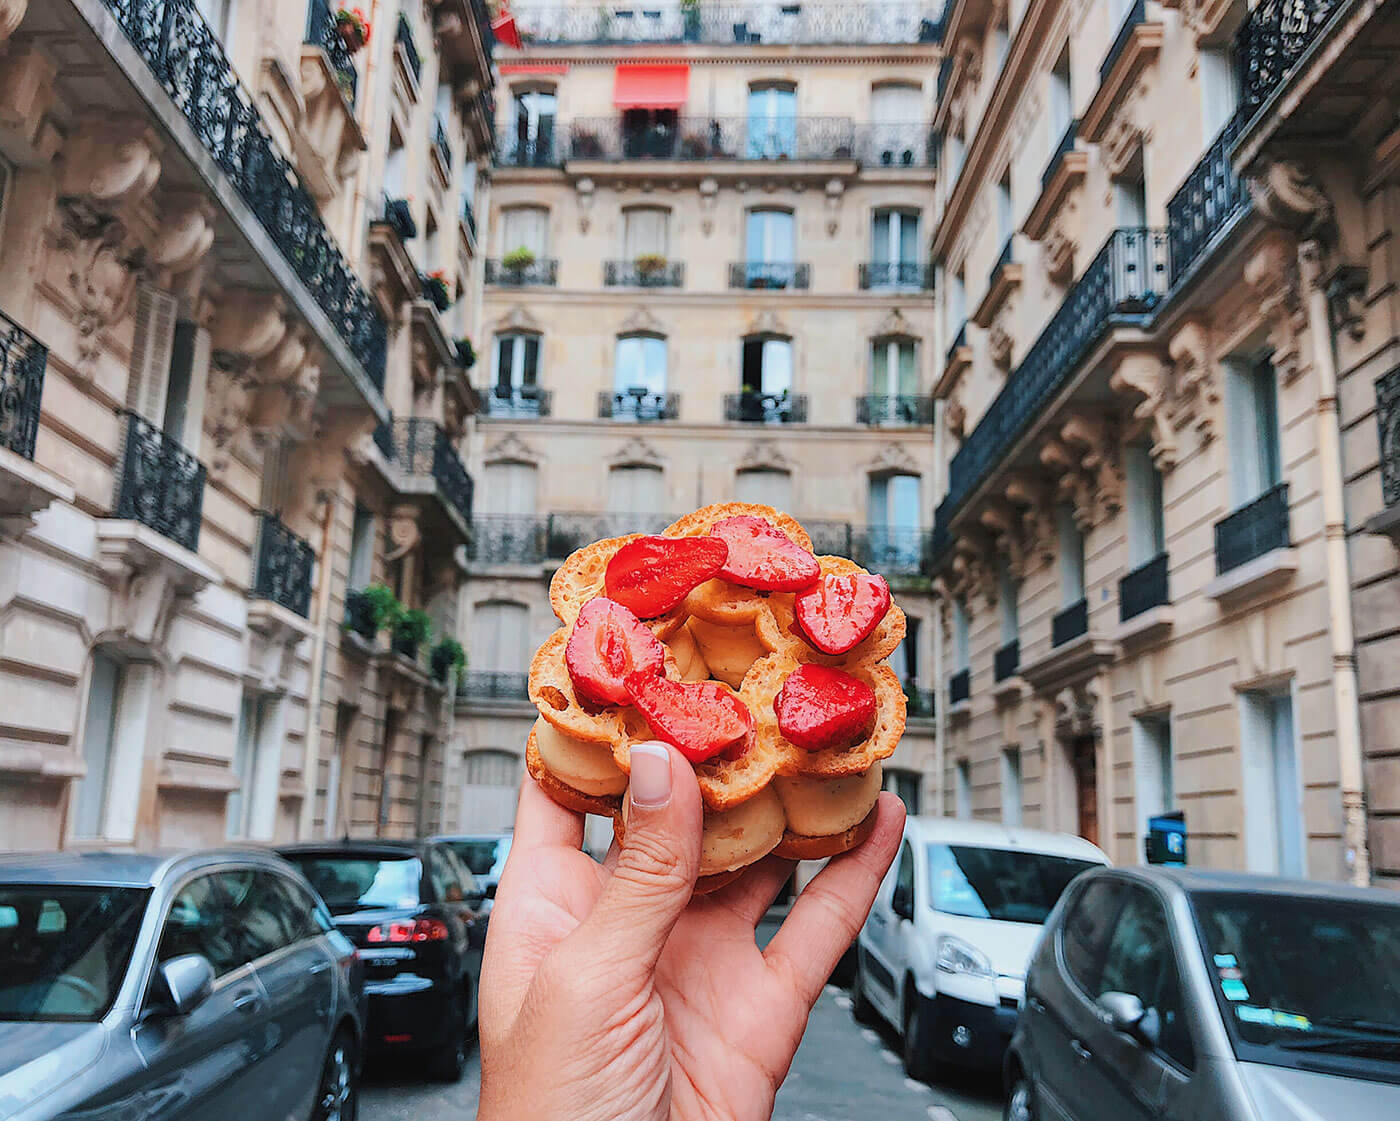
(764, 557)
(819, 707)
(701, 718)
(837, 613)
(607, 643)
(652, 574)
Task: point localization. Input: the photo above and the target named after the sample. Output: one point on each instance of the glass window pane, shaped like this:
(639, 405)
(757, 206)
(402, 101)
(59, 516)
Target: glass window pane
(531, 361)
(881, 236)
(1140, 962)
(904, 501)
(1085, 933)
(908, 385)
(505, 357)
(777, 366)
(880, 367)
(909, 239)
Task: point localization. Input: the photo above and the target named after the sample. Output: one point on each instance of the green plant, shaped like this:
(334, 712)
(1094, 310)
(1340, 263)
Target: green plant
(447, 656)
(649, 264)
(413, 626)
(381, 606)
(466, 353)
(518, 260)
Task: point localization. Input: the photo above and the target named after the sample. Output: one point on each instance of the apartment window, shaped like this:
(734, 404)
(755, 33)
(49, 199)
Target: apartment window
(525, 227)
(517, 365)
(1001, 40)
(1251, 402)
(957, 303)
(491, 780)
(396, 166)
(646, 232)
(1011, 786)
(1005, 225)
(510, 489)
(636, 489)
(99, 746)
(1008, 610)
(767, 366)
(896, 108)
(962, 790)
(895, 243)
(501, 636)
(339, 772)
(1220, 89)
(766, 486)
(907, 785)
(1130, 194)
(957, 150)
(640, 365)
(1061, 97)
(1071, 556)
(772, 122)
(893, 369)
(535, 111)
(248, 767)
(893, 517)
(769, 237)
(1152, 762)
(905, 659)
(1272, 786)
(962, 636)
(1147, 535)
(361, 549)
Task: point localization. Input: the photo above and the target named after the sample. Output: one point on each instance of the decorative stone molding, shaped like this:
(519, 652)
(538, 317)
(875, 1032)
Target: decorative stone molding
(517, 319)
(404, 532)
(969, 59)
(1122, 141)
(1076, 709)
(109, 165)
(1287, 195)
(27, 99)
(1004, 524)
(955, 414)
(185, 235)
(642, 321)
(25, 491)
(768, 322)
(1072, 485)
(764, 455)
(247, 326)
(11, 13)
(893, 459)
(512, 449)
(1141, 379)
(274, 633)
(709, 199)
(103, 272)
(1057, 251)
(1098, 441)
(999, 342)
(637, 452)
(894, 326)
(1203, 17)
(230, 395)
(587, 191)
(1195, 386)
(972, 576)
(1272, 273)
(151, 579)
(1036, 502)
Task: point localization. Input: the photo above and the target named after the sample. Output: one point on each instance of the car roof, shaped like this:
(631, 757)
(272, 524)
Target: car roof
(117, 868)
(1205, 881)
(988, 834)
(349, 846)
(448, 838)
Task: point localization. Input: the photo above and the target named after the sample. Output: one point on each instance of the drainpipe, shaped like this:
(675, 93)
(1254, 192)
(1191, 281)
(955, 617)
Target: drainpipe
(311, 748)
(940, 692)
(1338, 573)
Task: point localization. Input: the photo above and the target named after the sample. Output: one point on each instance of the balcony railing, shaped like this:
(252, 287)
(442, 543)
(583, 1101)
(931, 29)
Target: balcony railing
(469, 216)
(282, 566)
(1062, 149)
(23, 360)
(490, 685)
(713, 138)
(769, 275)
(541, 271)
(1006, 662)
(896, 274)
(899, 409)
(442, 144)
(891, 550)
(397, 214)
(639, 405)
(959, 341)
(521, 151)
(1388, 421)
(403, 36)
(896, 144)
(643, 274)
(1252, 530)
(1206, 203)
(766, 408)
(1271, 40)
(526, 401)
(755, 21)
(1125, 281)
(188, 60)
(960, 687)
(160, 484)
(321, 31)
(1070, 623)
(1143, 589)
(509, 539)
(1137, 14)
(421, 448)
(920, 704)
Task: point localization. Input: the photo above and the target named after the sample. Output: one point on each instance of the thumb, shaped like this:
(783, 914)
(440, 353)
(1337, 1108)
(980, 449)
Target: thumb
(658, 861)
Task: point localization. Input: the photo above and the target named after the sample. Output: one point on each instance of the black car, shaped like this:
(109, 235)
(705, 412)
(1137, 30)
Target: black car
(414, 912)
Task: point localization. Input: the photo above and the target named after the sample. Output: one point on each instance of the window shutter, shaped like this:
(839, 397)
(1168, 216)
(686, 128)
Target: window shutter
(152, 342)
(765, 486)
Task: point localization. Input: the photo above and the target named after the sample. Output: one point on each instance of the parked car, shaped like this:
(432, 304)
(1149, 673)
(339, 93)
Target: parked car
(484, 854)
(943, 955)
(1167, 993)
(203, 986)
(414, 913)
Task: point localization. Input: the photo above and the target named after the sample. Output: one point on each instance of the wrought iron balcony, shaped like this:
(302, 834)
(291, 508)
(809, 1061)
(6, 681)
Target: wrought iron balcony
(1270, 41)
(713, 138)
(421, 448)
(1006, 662)
(891, 550)
(442, 144)
(894, 409)
(543, 271)
(397, 214)
(519, 151)
(643, 273)
(359, 616)
(769, 275)
(1122, 285)
(490, 685)
(896, 144)
(1252, 530)
(920, 702)
(744, 23)
(945, 72)
(896, 274)
(282, 566)
(1137, 14)
(959, 341)
(1070, 623)
(960, 687)
(639, 405)
(766, 408)
(188, 60)
(1388, 421)
(509, 539)
(1062, 149)
(469, 216)
(1143, 589)
(159, 483)
(1206, 203)
(524, 401)
(322, 31)
(23, 360)
(403, 37)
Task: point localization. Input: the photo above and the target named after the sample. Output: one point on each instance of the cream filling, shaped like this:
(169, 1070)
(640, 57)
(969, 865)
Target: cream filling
(588, 767)
(728, 651)
(689, 661)
(742, 835)
(819, 807)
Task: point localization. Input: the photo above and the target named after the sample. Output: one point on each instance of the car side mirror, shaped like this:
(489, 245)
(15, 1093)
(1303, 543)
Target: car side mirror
(903, 902)
(1126, 1015)
(187, 980)
(490, 891)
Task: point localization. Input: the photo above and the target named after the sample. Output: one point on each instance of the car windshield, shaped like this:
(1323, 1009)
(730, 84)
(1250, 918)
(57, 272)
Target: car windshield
(64, 950)
(1004, 884)
(354, 883)
(1301, 977)
(485, 856)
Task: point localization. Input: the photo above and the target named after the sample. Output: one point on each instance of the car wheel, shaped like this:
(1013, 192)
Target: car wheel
(918, 1064)
(449, 1063)
(337, 1097)
(1020, 1102)
(861, 1008)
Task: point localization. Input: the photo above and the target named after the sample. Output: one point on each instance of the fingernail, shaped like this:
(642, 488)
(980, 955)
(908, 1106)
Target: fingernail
(651, 775)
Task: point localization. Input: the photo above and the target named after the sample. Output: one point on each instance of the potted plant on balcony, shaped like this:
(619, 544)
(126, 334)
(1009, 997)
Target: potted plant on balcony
(466, 353)
(436, 289)
(446, 657)
(586, 145)
(517, 261)
(650, 266)
(371, 610)
(693, 146)
(353, 29)
(411, 630)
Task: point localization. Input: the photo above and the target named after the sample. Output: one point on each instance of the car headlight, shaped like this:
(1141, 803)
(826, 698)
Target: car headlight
(956, 956)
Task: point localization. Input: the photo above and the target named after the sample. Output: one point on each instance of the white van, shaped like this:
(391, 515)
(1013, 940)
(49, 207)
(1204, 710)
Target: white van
(943, 955)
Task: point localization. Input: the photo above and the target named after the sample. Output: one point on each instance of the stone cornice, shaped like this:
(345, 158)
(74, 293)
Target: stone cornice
(779, 54)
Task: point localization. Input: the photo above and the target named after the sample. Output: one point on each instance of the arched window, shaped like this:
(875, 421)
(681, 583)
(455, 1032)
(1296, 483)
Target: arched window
(491, 767)
(638, 491)
(525, 227)
(490, 782)
(501, 636)
(772, 121)
(894, 375)
(517, 371)
(767, 365)
(894, 520)
(770, 486)
(509, 488)
(641, 365)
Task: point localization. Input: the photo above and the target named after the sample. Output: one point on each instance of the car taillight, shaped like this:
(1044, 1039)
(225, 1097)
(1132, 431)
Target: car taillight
(400, 931)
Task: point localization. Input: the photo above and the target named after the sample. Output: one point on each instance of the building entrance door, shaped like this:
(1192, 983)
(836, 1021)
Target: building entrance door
(1084, 761)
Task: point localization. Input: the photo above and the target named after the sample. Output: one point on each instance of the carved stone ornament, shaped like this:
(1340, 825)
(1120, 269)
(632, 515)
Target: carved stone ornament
(1286, 194)
(893, 459)
(151, 580)
(969, 56)
(103, 272)
(894, 326)
(1194, 385)
(1034, 499)
(767, 322)
(766, 456)
(109, 165)
(1272, 273)
(1141, 380)
(1122, 140)
(1000, 343)
(1076, 709)
(186, 233)
(709, 199)
(835, 193)
(1095, 436)
(587, 191)
(518, 319)
(231, 392)
(512, 449)
(642, 321)
(247, 325)
(972, 576)
(1072, 484)
(11, 13)
(404, 533)
(1004, 524)
(1057, 251)
(955, 414)
(637, 452)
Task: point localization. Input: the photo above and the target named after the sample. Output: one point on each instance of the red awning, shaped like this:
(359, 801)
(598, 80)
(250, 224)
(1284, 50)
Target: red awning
(651, 86)
(506, 31)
